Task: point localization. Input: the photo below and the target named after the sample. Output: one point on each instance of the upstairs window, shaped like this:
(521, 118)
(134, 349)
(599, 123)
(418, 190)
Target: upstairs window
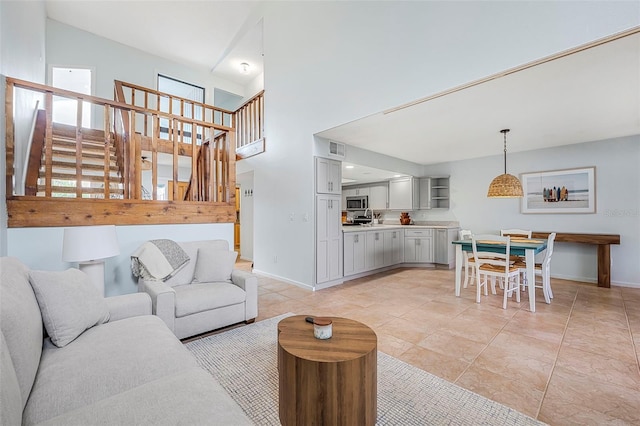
(185, 90)
(78, 80)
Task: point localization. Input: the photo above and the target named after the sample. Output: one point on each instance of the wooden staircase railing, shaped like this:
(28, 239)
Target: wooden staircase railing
(125, 132)
(210, 178)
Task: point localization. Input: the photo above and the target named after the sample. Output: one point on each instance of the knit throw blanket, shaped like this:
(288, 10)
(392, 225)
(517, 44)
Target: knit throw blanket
(158, 260)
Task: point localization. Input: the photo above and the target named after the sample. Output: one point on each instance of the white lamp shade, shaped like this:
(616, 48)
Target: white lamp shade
(89, 243)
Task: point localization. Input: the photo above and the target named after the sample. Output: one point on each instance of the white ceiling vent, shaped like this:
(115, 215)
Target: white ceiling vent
(336, 149)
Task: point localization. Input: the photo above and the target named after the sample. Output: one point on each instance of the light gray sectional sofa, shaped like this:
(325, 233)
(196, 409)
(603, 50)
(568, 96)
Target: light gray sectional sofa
(205, 294)
(127, 368)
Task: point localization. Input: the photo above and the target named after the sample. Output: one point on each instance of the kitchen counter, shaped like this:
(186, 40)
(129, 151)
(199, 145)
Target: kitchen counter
(353, 228)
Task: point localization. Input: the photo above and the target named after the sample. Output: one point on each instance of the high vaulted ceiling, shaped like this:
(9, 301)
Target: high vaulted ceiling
(590, 94)
(215, 35)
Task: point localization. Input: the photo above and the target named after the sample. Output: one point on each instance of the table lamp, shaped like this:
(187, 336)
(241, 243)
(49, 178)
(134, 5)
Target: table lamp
(89, 246)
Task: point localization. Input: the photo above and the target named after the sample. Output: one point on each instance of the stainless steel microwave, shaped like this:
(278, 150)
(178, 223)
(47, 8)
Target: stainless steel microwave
(360, 202)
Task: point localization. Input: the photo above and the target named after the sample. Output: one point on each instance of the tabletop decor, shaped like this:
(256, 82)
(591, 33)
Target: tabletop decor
(559, 191)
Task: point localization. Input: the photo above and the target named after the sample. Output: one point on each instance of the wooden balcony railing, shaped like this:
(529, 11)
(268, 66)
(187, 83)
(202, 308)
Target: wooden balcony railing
(107, 183)
(250, 127)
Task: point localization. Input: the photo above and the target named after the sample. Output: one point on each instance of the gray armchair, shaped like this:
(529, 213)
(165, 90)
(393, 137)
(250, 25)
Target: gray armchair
(207, 293)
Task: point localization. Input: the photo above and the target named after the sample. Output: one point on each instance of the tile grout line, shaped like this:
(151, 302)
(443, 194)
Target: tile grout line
(555, 361)
(633, 343)
(485, 347)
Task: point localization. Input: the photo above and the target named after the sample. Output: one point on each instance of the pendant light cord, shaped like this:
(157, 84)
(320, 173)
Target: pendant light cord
(504, 132)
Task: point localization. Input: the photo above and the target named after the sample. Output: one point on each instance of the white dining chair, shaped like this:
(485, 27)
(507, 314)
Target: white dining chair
(489, 265)
(514, 232)
(469, 266)
(542, 271)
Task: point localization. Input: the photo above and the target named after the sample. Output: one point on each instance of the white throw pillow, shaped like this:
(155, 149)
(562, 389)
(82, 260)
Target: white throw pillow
(214, 265)
(69, 303)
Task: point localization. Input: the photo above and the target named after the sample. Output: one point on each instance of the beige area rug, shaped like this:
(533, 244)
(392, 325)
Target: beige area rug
(244, 361)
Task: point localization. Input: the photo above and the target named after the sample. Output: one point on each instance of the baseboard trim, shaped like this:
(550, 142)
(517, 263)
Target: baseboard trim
(286, 280)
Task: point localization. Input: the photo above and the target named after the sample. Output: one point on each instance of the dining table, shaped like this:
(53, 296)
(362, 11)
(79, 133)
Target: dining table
(526, 247)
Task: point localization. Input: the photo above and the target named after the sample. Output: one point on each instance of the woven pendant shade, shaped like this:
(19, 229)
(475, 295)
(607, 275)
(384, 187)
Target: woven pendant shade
(505, 185)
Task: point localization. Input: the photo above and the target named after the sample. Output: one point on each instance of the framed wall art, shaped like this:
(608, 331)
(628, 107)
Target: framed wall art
(559, 191)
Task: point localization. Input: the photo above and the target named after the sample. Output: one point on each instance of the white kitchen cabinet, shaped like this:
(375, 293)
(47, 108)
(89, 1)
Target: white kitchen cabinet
(378, 196)
(374, 257)
(444, 251)
(418, 246)
(393, 247)
(403, 194)
(328, 238)
(425, 193)
(354, 252)
(351, 192)
(328, 176)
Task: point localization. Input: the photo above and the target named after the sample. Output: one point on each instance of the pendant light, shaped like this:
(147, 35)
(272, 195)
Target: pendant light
(505, 185)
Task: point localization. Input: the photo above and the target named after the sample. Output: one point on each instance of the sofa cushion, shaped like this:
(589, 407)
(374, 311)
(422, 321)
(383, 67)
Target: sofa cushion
(102, 362)
(191, 397)
(194, 298)
(21, 326)
(69, 303)
(214, 265)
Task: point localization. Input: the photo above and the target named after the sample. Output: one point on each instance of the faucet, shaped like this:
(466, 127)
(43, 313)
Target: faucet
(365, 211)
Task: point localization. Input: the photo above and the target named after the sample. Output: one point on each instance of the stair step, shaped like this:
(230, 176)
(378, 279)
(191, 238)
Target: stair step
(85, 177)
(86, 145)
(66, 165)
(72, 190)
(86, 155)
(69, 132)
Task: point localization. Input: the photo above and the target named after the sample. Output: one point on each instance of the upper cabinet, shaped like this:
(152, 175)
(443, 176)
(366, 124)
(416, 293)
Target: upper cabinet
(352, 192)
(440, 192)
(434, 192)
(403, 194)
(328, 176)
(425, 193)
(379, 196)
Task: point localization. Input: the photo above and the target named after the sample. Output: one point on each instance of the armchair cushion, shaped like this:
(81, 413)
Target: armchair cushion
(68, 302)
(200, 297)
(214, 265)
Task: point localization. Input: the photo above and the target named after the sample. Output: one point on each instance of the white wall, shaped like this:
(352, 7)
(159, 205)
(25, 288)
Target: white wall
(22, 50)
(245, 182)
(328, 63)
(41, 248)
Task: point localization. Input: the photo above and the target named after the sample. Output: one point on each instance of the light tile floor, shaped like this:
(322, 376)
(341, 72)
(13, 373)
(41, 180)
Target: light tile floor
(573, 362)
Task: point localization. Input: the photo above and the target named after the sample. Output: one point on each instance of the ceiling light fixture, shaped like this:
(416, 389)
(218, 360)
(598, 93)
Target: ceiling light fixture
(146, 164)
(505, 185)
(244, 68)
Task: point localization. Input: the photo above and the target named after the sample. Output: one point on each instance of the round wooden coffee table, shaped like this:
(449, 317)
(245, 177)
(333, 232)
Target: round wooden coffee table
(327, 382)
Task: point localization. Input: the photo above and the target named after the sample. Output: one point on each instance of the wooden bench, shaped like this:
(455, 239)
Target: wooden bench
(603, 241)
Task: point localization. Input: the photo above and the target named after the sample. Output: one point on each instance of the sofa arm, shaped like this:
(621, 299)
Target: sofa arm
(163, 300)
(128, 305)
(249, 283)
